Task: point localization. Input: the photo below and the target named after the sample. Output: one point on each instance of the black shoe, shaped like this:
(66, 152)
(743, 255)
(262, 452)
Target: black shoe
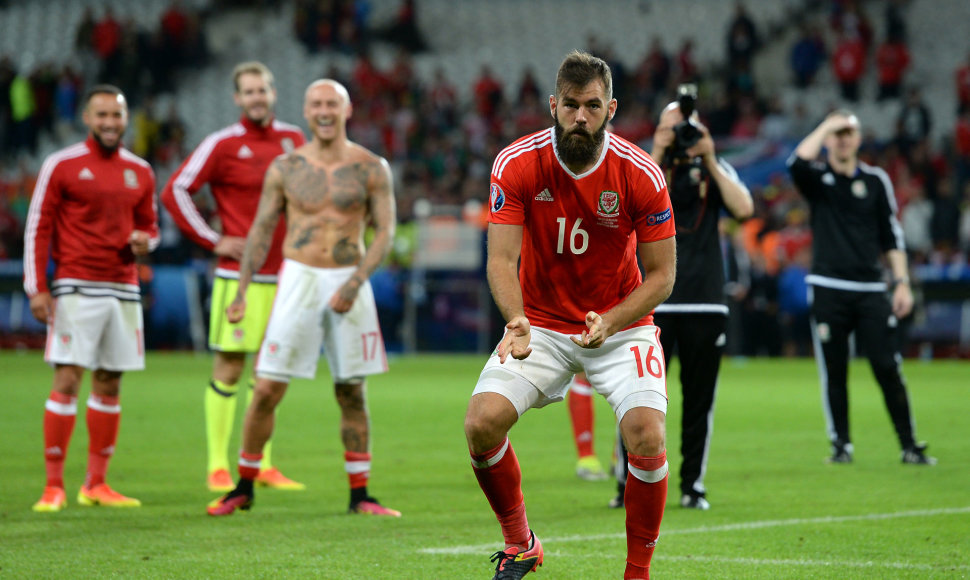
(696, 502)
(514, 563)
(841, 453)
(617, 502)
(916, 455)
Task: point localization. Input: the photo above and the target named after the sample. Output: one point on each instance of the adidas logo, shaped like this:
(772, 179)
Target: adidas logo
(245, 152)
(544, 195)
(85, 174)
(54, 451)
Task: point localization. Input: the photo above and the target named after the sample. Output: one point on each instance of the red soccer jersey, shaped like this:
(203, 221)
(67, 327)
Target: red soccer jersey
(84, 208)
(233, 162)
(580, 232)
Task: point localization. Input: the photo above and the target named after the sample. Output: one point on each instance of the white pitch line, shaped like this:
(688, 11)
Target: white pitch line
(475, 549)
(819, 563)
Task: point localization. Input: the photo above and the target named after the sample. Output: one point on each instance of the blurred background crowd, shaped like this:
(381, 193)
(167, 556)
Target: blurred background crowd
(440, 87)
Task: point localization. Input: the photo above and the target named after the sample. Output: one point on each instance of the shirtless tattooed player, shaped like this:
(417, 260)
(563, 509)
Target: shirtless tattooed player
(330, 190)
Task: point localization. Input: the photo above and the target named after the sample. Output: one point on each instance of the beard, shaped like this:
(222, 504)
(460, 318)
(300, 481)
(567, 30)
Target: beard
(104, 146)
(579, 147)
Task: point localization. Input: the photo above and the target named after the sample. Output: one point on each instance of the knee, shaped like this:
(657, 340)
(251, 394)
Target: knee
(487, 422)
(644, 433)
(267, 395)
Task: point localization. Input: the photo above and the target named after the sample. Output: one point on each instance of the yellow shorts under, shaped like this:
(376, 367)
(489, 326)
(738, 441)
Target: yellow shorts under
(247, 335)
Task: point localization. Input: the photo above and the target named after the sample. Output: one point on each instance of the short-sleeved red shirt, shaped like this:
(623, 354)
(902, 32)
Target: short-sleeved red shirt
(580, 232)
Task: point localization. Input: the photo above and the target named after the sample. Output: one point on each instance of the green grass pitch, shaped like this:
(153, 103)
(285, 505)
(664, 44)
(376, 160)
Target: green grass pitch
(778, 511)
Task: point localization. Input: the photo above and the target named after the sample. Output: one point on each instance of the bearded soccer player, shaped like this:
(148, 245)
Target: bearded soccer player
(233, 161)
(93, 213)
(577, 205)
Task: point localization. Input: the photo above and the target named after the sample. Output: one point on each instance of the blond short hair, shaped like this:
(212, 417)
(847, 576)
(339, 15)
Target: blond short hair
(251, 67)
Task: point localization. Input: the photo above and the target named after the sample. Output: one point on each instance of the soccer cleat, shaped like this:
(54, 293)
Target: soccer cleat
(371, 506)
(220, 480)
(275, 479)
(103, 495)
(227, 504)
(841, 453)
(514, 563)
(695, 502)
(617, 502)
(52, 500)
(916, 455)
(589, 468)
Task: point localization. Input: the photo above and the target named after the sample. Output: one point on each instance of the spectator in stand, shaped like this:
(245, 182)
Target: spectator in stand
(807, 55)
(23, 129)
(106, 39)
(849, 63)
(892, 60)
(961, 151)
(742, 39)
(962, 81)
(488, 93)
(848, 17)
(686, 65)
(896, 20)
(945, 223)
(914, 122)
(915, 219)
(174, 26)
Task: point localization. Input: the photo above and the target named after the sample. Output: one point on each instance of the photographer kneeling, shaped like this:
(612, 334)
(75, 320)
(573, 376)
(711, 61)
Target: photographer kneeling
(693, 321)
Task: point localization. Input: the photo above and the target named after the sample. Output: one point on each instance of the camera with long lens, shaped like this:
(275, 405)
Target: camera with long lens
(686, 133)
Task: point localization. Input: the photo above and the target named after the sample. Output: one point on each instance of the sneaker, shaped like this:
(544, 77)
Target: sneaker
(372, 507)
(227, 504)
(590, 469)
(101, 494)
(514, 563)
(916, 455)
(220, 481)
(52, 500)
(275, 479)
(695, 502)
(617, 502)
(841, 453)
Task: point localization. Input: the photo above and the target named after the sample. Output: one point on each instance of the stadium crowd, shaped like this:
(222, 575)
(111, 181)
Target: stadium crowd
(442, 146)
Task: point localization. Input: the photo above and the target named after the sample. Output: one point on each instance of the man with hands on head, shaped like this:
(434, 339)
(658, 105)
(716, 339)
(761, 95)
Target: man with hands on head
(854, 228)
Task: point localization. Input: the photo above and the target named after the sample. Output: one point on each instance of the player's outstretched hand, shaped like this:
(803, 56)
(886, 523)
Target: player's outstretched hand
(595, 334)
(237, 310)
(518, 334)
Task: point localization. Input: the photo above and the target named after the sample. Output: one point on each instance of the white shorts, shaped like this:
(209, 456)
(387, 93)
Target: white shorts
(96, 332)
(302, 321)
(628, 370)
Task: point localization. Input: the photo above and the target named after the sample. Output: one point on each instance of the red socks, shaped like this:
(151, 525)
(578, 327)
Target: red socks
(580, 401)
(645, 496)
(357, 466)
(500, 478)
(60, 413)
(249, 464)
(103, 418)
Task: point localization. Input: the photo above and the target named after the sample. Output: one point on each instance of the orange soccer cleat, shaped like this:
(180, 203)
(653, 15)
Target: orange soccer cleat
(52, 500)
(220, 480)
(101, 494)
(275, 479)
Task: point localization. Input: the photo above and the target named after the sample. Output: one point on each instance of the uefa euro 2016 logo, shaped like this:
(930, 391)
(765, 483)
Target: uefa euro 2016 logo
(497, 197)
